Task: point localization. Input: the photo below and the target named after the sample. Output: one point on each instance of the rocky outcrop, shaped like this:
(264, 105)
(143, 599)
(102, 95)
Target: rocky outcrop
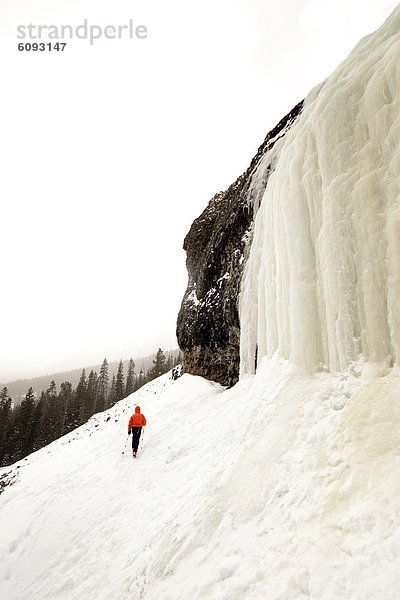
(208, 328)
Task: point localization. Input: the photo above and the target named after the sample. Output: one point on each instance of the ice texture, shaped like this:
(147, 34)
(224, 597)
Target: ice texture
(322, 282)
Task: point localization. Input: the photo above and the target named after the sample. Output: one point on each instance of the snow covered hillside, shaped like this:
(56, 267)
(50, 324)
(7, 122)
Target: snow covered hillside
(281, 487)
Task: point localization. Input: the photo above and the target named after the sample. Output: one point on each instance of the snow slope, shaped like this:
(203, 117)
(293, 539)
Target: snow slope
(321, 286)
(282, 487)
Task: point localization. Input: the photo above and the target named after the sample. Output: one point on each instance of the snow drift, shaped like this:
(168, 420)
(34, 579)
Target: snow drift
(322, 283)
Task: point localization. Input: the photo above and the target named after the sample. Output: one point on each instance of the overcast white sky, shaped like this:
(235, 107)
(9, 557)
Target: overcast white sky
(110, 151)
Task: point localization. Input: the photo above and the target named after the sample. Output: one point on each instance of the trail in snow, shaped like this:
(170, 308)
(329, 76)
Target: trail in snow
(280, 488)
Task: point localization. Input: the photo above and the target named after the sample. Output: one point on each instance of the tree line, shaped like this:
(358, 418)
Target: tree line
(37, 421)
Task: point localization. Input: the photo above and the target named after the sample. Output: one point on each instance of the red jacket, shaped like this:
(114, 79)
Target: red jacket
(137, 419)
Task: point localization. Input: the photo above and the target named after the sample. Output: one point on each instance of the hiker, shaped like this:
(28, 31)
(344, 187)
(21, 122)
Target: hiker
(136, 422)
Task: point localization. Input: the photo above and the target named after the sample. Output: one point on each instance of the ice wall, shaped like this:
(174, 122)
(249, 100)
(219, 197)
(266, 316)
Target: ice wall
(322, 282)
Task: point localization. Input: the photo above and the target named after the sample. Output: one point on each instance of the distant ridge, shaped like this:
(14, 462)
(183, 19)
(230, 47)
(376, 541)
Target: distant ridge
(19, 387)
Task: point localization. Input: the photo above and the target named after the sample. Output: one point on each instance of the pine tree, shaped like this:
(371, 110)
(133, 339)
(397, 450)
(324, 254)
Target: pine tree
(52, 390)
(102, 387)
(25, 424)
(119, 383)
(14, 440)
(42, 422)
(72, 416)
(140, 380)
(90, 396)
(5, 423)
(80, 399)
(65, 398)
(49, 428)
(111, 396)
(130, 379)
(4, 394)
(159, 366)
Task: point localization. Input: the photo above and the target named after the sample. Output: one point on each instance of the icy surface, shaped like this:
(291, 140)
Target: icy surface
(281, 488)
(322, 282)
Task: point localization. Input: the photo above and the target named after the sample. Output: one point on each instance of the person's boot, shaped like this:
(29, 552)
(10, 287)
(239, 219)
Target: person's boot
(134, 453)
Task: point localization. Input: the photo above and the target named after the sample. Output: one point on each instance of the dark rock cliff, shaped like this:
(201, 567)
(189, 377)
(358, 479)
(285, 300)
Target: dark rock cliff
(208, 328)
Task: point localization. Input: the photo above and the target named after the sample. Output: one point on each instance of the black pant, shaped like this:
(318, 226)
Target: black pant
(136, 431)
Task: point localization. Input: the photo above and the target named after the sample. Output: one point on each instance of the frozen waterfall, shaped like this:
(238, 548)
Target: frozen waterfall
(322, 281)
